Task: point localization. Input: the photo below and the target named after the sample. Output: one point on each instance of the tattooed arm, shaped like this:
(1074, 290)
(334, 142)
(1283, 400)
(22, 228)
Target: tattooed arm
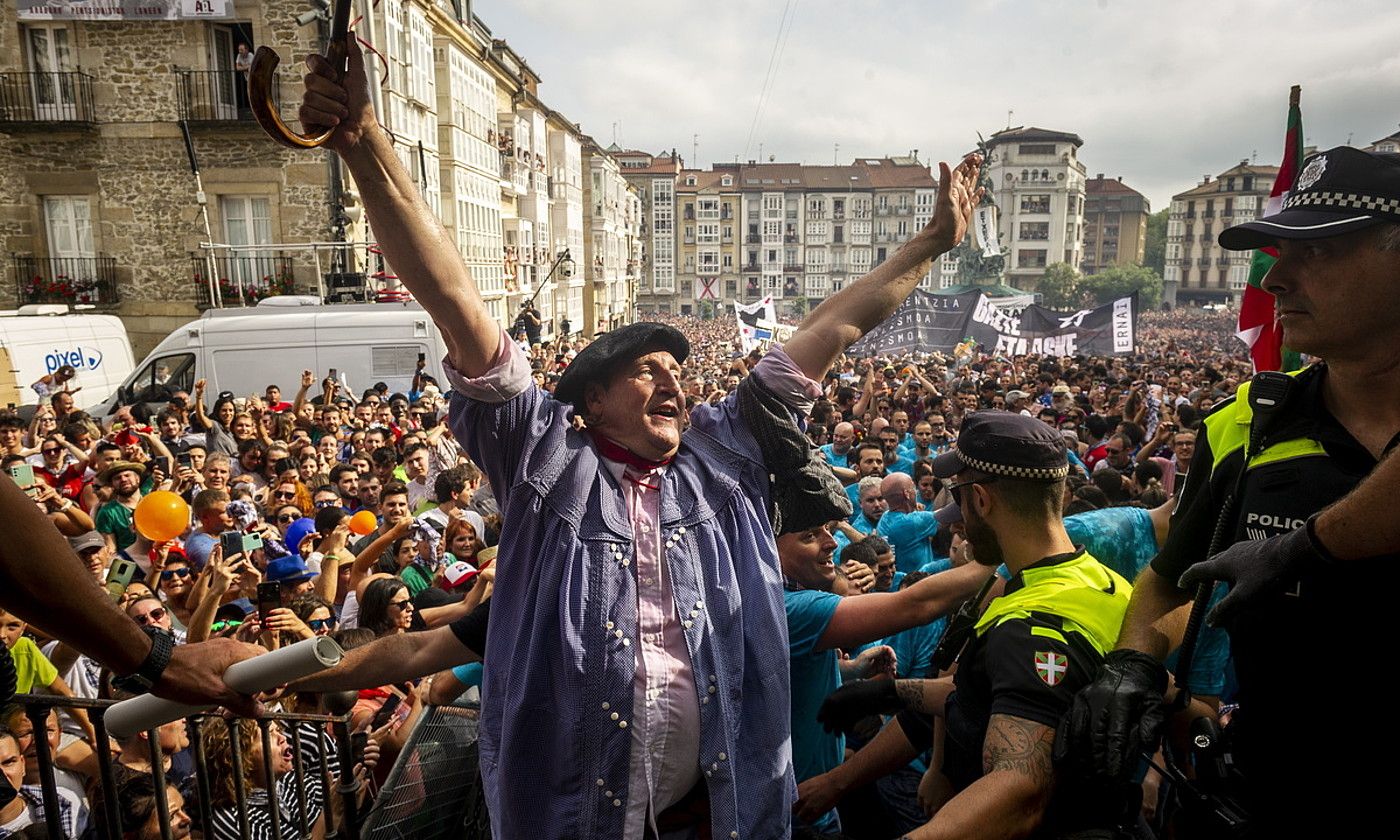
(1011, 797)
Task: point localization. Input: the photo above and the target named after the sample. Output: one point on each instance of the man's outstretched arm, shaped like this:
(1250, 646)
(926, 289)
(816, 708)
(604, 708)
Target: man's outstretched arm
(393, 659)
(413, 240)
(860, 307)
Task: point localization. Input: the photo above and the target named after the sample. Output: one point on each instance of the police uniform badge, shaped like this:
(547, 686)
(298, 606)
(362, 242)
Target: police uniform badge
(1050, 667)
(1312, 172)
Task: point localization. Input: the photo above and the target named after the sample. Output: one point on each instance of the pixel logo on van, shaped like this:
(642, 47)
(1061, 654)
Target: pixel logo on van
(80, 358)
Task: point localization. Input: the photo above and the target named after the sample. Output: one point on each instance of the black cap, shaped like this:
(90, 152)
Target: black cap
(1337, 191)
(599, 361)
(1006, 444)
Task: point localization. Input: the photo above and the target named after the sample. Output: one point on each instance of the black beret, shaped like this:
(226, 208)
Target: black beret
(1006, 444)
(600, 360)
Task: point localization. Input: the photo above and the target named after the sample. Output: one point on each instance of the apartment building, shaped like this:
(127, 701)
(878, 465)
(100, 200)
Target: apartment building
(612, 244)
(1039, 187)
(654, 178)
(1115, 224)
(1198, 270)
(707, 262)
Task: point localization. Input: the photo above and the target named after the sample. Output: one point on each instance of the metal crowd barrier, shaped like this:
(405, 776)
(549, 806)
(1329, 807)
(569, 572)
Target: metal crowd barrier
(433, 791)
(37, 708)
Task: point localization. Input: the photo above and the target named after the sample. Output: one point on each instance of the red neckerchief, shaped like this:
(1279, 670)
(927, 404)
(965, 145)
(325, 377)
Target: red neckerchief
(614, 451)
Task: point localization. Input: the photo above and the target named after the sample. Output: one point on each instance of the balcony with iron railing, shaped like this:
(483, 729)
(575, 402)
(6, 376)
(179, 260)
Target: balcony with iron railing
(753, 239)
(218, 96)
(883, 211)
(72, 280)
(790, 238)
(793, 268)
(46, 99)
(240, 279)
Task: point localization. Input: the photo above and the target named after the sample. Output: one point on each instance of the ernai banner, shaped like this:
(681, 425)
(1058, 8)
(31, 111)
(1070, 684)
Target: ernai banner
(1103, 331)
(926, 323)
(123, 10)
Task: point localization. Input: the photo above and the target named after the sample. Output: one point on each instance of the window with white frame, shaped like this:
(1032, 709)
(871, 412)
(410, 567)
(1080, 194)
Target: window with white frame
(707, 234)
(68, 223)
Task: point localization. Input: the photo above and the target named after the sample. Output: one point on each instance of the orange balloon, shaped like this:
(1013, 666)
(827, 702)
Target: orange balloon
(161, 516)
(363, 523)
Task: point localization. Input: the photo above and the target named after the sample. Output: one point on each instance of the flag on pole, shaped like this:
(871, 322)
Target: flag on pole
(757, 321)
(1258, 327)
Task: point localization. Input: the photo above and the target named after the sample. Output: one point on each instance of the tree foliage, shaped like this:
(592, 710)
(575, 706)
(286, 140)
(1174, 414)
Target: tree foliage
(1155, 244)
(1123, 280)
(1060, 287)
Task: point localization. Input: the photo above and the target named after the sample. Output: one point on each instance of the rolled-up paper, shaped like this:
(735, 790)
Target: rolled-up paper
(261, 673)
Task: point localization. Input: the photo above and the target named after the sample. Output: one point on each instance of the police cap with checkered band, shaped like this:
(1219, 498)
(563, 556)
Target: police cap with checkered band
(1005, 444)
(1338, 191)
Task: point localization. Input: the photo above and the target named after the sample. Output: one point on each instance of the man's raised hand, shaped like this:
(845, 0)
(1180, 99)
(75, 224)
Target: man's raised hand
(958, 195)
(335, 101)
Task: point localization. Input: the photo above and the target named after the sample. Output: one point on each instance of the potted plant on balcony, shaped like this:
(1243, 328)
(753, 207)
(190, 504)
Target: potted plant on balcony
(61, 288)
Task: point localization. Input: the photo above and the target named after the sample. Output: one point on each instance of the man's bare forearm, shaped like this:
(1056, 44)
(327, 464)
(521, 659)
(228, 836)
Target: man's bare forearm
(1363, 524)
(929, 697)
(423, 253)
(844, 317)
(392, 659)
(887, 752)
(84, 616)
(1156, 618)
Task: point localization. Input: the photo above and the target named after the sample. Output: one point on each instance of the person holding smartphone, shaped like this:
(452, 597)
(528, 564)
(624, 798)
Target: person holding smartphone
(59, 593)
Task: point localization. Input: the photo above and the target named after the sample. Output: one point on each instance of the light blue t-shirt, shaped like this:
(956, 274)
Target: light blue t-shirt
(841, 460)
(860, 523)
(914, 647)
(1123, 539)
(815, 674)
(908, 534)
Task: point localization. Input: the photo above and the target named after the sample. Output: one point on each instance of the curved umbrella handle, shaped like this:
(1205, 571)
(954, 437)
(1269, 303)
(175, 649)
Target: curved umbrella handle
(263, 74)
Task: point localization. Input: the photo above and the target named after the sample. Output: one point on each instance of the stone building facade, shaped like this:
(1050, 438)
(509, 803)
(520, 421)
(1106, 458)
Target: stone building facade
(97, 201)
(98, 205)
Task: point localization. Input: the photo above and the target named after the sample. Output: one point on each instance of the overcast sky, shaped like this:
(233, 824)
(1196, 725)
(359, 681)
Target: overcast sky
(1161, 92)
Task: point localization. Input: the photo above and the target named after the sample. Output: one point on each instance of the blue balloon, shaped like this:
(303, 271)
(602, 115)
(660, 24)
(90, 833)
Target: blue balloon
(296, 531)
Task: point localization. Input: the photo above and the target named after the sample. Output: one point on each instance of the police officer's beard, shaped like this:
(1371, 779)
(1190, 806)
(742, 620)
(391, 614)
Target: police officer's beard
(985, 548)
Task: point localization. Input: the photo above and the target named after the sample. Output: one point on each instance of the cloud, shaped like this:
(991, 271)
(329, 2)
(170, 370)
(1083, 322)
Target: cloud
(1162, 93)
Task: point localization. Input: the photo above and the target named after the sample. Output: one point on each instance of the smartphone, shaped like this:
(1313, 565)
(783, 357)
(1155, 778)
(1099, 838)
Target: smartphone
(183, 459)
(23, 474)
(422, 357)
(333, 373)
(119, 576)
(269, 599)
(231, 542)
(385, 712)
(168, 467)
(358, 740)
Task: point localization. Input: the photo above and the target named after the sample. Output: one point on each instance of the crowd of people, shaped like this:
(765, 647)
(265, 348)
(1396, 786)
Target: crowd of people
(292, 474)
(762, 591)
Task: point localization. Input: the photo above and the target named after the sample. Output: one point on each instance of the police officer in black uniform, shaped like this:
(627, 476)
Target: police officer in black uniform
(1312, 607)
(1032, 648)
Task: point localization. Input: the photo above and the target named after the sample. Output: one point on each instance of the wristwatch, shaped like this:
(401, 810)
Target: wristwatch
(145, 676)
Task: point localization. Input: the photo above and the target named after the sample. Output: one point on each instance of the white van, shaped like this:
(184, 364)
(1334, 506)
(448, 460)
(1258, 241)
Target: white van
(245, 350)
(40, 338)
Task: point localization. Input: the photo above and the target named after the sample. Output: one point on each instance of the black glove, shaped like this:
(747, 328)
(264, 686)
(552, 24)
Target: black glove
(1114, 719)
(1258, 567)
(858, 699)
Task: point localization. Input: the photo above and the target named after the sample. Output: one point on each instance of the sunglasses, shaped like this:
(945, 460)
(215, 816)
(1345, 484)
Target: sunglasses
(405, 604)
(283, 519)
(151, 617)
(181, 572)
(325, 503)
(321, 623)
(53, 451)
(956, 489)
(221, 626)
(284, 494)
